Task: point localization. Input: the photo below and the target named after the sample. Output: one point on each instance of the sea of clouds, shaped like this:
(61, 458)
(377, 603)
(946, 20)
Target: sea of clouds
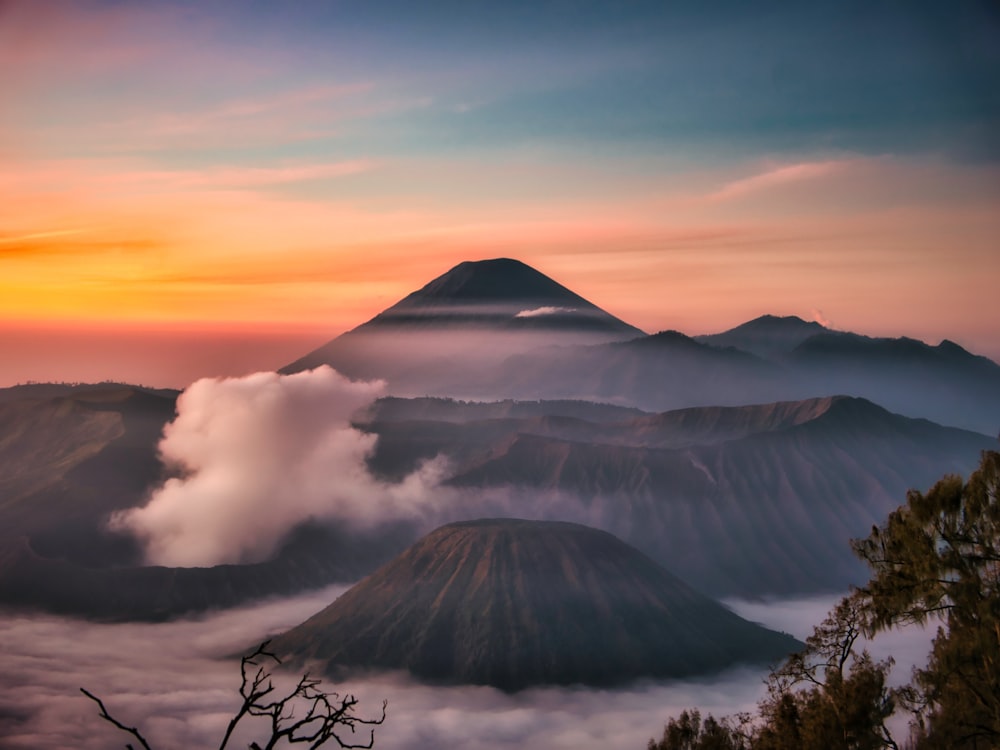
(178, 683)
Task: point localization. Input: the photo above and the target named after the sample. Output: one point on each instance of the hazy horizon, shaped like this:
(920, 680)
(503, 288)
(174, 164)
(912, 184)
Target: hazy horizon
(212, 189)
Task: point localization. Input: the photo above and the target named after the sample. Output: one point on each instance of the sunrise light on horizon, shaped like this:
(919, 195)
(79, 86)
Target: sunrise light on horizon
(212, 188)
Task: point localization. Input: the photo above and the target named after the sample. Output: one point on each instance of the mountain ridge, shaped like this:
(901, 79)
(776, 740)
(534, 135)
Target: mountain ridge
(495, 329)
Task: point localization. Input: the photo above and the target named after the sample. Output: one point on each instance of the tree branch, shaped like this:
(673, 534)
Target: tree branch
(108, 717)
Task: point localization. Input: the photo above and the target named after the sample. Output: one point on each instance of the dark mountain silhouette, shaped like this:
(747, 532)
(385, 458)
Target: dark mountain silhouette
(746, 500)
(768, 336)
(514, 603)
(500, 293)
(498, 329)
(944, 383)
(447, 335)
(666, 370)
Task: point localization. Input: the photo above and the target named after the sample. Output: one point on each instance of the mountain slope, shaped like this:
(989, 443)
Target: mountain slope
(746, 500)
(498, 294)
(514, 603)
(69, 459)
(445, 338)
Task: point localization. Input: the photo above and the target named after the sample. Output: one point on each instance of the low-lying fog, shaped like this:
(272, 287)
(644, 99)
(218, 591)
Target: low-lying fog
(178, 683)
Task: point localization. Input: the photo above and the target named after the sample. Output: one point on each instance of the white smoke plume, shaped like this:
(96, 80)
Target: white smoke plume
(819, 317)
(258, 455)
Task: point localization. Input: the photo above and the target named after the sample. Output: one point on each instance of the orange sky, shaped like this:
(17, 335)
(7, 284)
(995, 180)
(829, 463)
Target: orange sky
(178, 202)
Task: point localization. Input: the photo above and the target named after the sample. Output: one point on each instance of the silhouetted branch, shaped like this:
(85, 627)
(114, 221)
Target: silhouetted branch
(324, 716)
(108, 717)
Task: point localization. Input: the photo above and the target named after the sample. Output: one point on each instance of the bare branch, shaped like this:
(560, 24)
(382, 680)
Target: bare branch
(324, 716)
(108, 717)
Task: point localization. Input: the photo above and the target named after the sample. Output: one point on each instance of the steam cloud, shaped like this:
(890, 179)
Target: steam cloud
(260, 454)
(819, 317)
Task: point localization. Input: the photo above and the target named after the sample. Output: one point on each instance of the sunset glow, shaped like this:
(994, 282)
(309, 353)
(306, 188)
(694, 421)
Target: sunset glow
(199, 189)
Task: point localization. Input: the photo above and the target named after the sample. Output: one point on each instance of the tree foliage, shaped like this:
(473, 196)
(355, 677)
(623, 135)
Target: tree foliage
(322, 716)
(689, 732)
(936, 558)
(828, 694)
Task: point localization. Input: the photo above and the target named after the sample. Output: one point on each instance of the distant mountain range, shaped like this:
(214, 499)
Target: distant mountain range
(498, 329)
(514, 603)
(747, 500)
(746, 459)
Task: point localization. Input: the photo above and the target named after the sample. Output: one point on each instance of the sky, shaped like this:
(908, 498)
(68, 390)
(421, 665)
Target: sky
(194, 189)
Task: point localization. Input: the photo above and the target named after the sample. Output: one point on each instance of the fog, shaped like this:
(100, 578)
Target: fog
(177, 682)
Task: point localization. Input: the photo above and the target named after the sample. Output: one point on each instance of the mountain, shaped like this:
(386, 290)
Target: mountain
(514, 603)
(494, 295)
(498, 329)
(446, 336)
(944, 383)
(68, 460)
(768, 336)
(69, 457)
(667, 370)
(747, 501)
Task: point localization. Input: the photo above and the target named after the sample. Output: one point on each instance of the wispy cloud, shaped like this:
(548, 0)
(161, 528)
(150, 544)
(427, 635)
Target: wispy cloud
(237, 109)
(777, 177)
(237, 177)
(542, 311)
(17, 239)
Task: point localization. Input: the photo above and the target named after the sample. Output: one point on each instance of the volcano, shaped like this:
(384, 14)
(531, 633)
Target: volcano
(513, 603)
(494, 295)
(445, 338)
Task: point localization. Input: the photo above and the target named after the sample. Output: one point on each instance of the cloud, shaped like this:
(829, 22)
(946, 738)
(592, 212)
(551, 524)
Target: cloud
(539, 311)
(776, 177)
(239, 177)
(177, 682)
(223, 113)
(258, 455)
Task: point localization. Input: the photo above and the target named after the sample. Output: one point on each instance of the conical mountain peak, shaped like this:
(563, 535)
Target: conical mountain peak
(496, 279)
(499, 293)
(448, 337)
(514, 603)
